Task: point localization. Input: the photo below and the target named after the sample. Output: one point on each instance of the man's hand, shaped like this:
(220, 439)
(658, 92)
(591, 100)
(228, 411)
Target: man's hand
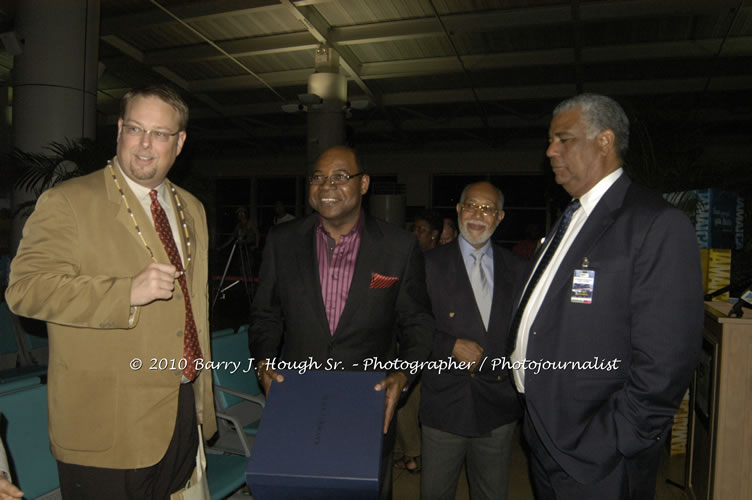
(468, 351)
(8, 491)
(266, 376)
(155, 282)
(393, 384)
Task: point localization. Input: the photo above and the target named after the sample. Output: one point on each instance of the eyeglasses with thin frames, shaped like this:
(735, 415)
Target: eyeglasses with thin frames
(336, 179)
(157, 135)
(485, 210)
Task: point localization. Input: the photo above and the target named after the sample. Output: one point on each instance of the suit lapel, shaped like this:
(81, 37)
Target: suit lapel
(308, 269)
(190, 224)
(596, 225)
(144, 222)
(502, 290)
(369, 257)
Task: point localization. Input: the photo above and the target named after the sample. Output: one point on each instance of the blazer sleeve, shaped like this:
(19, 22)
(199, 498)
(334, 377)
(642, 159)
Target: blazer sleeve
(666, 332)
(265, 334)
(414, 310)
(46, 282)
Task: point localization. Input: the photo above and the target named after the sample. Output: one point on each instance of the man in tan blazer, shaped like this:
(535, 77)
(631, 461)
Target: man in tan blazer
(97, 264)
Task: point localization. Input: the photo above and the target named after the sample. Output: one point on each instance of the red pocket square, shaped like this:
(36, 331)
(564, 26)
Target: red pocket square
(381, 281)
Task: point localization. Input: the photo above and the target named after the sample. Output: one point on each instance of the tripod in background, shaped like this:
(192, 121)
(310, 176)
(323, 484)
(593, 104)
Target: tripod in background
(245, 255)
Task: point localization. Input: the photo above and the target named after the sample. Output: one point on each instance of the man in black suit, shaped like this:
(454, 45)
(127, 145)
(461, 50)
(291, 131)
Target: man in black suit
(341, 284)
(608, 329)
(469, 413)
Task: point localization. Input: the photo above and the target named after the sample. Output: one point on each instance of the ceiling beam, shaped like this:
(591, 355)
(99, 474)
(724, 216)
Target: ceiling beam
(428, 26)
(319, 28)
(741, 46)
(263, 45)
(510, 93)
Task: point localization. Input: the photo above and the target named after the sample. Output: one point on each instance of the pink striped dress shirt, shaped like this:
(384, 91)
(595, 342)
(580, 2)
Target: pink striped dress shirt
(336, 269)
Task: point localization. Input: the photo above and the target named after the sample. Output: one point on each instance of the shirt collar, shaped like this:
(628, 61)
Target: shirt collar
(589, 200)
(142, 192)
(355, 230)
(467, 249)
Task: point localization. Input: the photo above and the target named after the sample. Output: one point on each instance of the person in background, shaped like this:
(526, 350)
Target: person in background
(608, 329)
(427, 227)
(448, 232)
(280, 213)
(245, 232)
(469, 413)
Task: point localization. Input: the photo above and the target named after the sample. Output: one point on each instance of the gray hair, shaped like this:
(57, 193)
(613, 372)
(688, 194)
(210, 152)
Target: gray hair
(499, 204)
(600, 113)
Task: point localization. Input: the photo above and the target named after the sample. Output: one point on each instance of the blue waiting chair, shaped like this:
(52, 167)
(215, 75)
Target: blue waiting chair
(238, 397)
(225, 474)
(27, 441)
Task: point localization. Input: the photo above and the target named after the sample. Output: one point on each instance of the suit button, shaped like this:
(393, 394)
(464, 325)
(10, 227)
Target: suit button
(472, 375)
(179, 333)
(535, 333)
(498, 377)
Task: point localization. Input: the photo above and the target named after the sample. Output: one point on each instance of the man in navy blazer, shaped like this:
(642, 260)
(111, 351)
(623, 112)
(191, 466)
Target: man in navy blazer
(469, 412)
(606, 341)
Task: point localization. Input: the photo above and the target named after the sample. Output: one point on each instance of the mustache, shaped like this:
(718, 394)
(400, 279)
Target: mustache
(477, 223)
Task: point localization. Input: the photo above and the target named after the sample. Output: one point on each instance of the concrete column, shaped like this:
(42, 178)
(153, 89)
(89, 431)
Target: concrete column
(325, 102)
(54, 79)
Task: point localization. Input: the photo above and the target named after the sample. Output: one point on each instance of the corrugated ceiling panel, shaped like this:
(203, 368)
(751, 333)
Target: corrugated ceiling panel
(279, 62)
(221, 68)
(347, 12)
(514, 40)
(206, 70)
(248, 23)
(637, 31)
(403, 49)
(460, 6)
(743, 25)
(163, 37)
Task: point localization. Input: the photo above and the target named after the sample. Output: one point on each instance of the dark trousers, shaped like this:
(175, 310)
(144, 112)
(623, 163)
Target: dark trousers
(78, 482)
(633, 478)
(486, 459)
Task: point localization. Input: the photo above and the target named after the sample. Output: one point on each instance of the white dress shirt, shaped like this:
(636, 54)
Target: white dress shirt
(588, 201)
(165, 199)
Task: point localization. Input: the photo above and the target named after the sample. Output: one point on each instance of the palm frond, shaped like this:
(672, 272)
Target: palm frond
(36, 172)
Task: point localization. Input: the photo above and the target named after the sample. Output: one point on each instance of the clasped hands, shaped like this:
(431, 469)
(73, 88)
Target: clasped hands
(468, 351)
(392, 385)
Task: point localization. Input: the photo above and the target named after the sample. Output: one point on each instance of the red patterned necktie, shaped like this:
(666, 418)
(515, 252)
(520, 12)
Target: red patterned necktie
(191, 347)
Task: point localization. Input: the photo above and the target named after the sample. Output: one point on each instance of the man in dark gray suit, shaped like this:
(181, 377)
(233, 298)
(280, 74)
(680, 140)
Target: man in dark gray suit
(608, 329)
(469, 412)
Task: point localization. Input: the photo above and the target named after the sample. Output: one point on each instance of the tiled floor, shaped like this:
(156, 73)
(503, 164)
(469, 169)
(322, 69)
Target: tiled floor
(407, 485)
